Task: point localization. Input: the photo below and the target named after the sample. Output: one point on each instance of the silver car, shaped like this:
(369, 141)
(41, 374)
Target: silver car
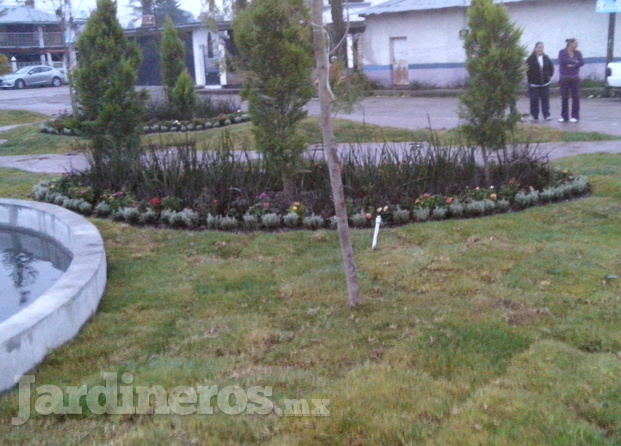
(33, 76)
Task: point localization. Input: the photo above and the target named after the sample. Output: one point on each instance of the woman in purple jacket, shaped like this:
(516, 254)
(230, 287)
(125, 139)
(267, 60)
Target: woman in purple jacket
(569, 63)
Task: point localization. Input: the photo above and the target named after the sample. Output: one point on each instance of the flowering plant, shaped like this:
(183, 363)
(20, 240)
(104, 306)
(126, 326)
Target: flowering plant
(297, 208)
(429, 201)
(118, 199)
(172, 203)
(263, 205)
(86, 193)
(386, 212)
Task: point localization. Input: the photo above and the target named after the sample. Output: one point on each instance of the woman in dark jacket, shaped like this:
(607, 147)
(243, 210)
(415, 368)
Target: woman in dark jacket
(539, 71)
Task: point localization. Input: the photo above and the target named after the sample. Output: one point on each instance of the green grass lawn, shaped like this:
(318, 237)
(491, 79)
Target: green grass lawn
(502, 330)
(16, 117)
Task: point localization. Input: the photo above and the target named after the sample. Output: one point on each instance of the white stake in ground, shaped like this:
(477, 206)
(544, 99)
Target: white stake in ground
(378, 222)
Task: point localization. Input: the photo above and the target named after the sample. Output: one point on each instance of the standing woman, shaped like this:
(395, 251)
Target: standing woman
(539, 71)
(569, 62)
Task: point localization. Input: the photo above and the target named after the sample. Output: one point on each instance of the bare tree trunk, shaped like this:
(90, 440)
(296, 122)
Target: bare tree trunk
(288, 186)
(339, 41)
(486, 166)
(327, 127)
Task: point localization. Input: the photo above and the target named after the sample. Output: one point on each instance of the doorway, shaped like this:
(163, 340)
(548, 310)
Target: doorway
(399, 61)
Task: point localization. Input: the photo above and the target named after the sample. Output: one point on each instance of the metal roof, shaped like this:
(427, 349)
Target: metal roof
(27, 15)
(395, 6)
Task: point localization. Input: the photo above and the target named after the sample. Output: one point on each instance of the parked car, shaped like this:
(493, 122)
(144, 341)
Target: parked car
(613, 78)
(33, 76)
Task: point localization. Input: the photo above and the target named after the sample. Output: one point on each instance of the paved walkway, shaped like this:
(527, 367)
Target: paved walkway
(601, 115)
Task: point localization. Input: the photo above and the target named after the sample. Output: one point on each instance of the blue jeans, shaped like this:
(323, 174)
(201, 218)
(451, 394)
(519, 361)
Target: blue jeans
(539, 95)
(570, 86)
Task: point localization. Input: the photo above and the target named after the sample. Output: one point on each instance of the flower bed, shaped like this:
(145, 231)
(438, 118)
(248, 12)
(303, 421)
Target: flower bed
(266, 211)
(62, 126)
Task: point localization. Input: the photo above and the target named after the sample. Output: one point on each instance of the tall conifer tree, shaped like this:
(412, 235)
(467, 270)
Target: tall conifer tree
(172, 57)
(110, 107)
(274, 42)
(495, 64)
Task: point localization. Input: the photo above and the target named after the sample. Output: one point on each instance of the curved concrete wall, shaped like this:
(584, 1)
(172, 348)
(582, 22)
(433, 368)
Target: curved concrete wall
(56, 317)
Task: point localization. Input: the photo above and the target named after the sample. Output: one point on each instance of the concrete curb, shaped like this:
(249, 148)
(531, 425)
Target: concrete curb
(57, 316)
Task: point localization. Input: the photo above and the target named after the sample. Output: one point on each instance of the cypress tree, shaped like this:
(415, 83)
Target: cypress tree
(172, 57)
(110, 108)
(274, 42)
(184, 97)
(495, 64)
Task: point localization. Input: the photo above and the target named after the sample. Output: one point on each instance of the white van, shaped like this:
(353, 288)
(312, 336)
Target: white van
(613, 78)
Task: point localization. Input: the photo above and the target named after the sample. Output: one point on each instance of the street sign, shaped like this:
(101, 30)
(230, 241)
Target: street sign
(608, 6)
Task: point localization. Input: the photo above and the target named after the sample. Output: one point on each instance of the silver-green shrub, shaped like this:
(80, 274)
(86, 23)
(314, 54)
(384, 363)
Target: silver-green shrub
(228, 223)
(548, 194)
(401, 216)
(332, 224)
(313, 222)
(186, 218)
(60, 199)
(51, 197)
(456, 209)
(130, 214)
(73, 204)
(212, 221)
(251, 222)
(85, 208)
(526, 200)
(148, 217)
(40, 191)
(439, 213)
(421, 214)
(102, 209)
(291, 220)
(489, 205)
(580, 185)
(118, 215)
(270, 221)
(166, 216)
(503, 205)
(474, 208)
(359, 220)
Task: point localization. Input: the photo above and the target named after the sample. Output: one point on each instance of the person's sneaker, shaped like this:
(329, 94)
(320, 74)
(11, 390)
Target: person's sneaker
(532, 119)
(548, 118)
(561, 120)
(573, 120)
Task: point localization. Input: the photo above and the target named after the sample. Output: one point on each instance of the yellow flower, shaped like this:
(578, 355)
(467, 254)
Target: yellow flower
(493, 196)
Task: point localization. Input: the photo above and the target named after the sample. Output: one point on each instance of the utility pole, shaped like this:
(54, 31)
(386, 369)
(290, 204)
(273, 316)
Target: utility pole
(68, 27)
(611, 38)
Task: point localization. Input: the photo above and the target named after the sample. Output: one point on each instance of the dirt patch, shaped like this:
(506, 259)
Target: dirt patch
(518, 314)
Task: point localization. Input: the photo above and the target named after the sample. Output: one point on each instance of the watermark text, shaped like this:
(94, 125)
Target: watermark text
(119, 397)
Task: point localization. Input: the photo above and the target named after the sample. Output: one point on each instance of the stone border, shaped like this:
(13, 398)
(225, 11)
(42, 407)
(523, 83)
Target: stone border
(57, 316)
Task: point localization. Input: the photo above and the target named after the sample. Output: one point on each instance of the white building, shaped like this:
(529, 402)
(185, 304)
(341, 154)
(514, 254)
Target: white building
(420, 41)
